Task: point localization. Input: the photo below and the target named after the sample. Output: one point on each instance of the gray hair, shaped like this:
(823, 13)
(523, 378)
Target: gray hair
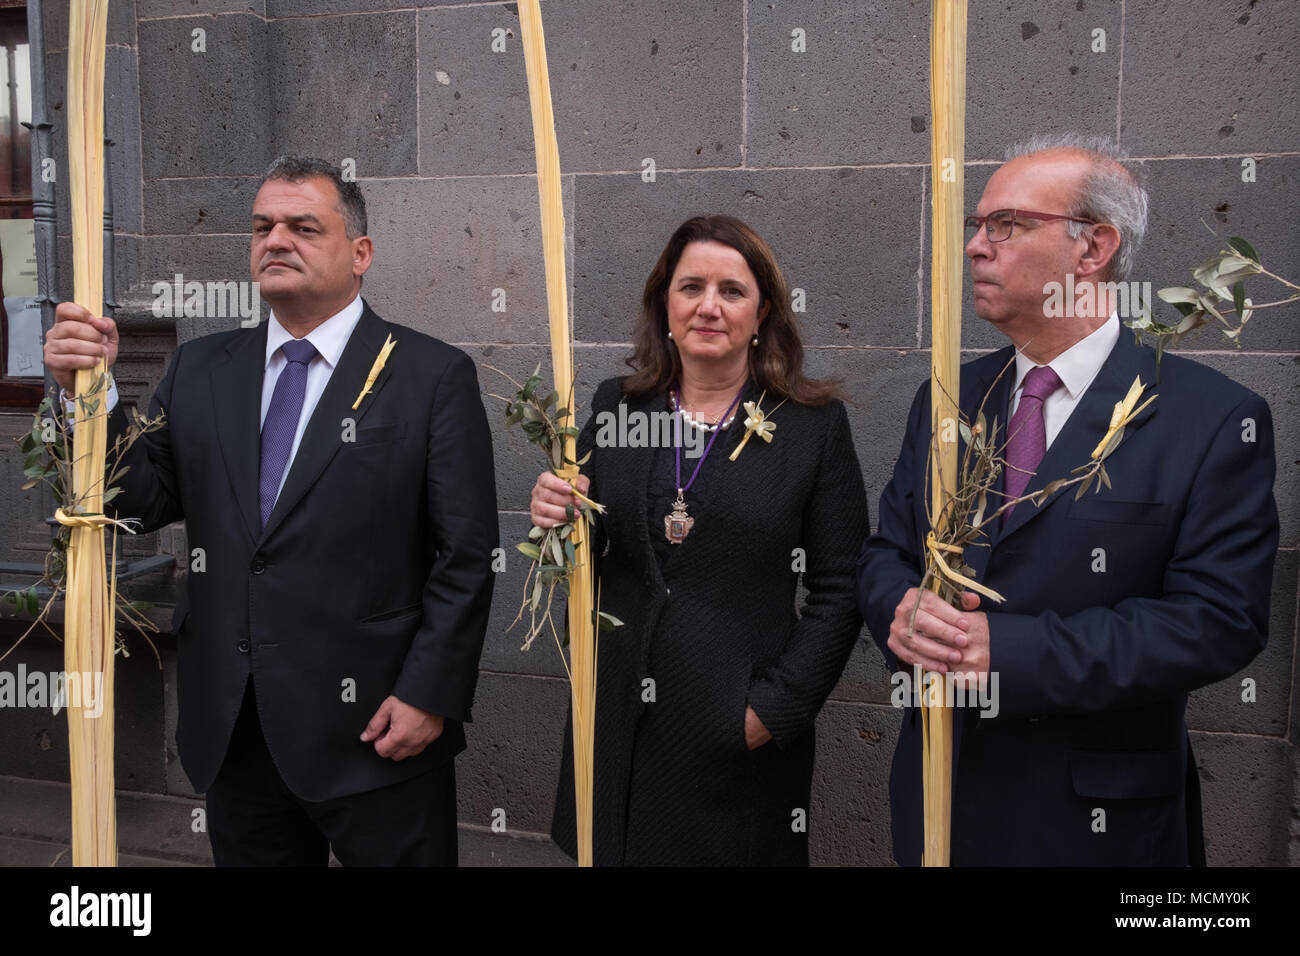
(1111, 193)
(294, 169)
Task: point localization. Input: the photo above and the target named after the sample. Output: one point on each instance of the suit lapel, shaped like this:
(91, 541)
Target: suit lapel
(236, 384)
(638, 464)
(995, 406)
(324, 434)
(1087, 424)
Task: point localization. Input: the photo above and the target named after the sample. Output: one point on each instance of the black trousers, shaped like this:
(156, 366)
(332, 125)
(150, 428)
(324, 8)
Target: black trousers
(255, 820)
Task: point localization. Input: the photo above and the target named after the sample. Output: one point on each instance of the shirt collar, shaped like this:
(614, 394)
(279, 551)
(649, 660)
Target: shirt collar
(1078, 365)
(329, 338)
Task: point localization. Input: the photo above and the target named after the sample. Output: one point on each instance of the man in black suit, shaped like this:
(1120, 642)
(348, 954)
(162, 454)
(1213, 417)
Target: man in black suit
(329, 637)
(1118, 604)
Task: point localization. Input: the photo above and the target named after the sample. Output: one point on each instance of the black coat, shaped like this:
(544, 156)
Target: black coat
(374, 567)
(715, 629)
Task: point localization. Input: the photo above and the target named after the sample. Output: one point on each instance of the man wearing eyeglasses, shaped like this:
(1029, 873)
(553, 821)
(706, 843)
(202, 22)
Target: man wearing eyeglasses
(1118, 604)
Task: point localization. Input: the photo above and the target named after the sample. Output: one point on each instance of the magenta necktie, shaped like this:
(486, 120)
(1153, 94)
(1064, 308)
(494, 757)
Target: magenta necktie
(1027, 441)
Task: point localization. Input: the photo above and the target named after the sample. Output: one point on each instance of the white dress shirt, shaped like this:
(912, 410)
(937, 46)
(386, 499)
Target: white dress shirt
(1076, 367)
(329, 338)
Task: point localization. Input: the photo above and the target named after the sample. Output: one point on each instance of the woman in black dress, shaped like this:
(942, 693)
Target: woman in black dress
(706, 697)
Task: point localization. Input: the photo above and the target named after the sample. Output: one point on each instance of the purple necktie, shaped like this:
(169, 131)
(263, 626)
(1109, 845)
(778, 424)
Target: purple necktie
(1027, 441)
(282, 420)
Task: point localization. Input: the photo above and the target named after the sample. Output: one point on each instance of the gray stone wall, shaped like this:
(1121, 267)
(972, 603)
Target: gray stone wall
(823, 149)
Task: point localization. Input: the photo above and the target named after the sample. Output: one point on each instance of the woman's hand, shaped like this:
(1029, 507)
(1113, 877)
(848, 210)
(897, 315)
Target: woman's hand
(550, 495)
(755, 733)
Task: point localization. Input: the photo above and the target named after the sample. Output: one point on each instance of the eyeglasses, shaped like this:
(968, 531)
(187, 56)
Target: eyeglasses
(997, 225)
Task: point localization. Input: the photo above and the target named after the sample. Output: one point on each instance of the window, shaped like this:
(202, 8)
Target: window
(21, 369)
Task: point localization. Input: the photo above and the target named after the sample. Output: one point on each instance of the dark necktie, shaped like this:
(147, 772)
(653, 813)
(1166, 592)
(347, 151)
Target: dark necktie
(1027, 441)
(282, 420)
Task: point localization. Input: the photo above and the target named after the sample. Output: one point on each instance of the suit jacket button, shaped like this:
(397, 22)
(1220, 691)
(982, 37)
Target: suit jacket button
(257, 567)
(1034, 720)
(242, 647)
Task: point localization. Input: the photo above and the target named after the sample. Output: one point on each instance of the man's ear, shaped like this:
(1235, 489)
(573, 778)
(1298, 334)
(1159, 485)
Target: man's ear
(1103, 243)
(363, 253)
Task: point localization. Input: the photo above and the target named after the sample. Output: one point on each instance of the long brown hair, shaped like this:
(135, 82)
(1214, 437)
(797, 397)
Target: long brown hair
(776, 363)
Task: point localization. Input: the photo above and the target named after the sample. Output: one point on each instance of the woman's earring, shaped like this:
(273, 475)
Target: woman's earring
(670, 333)
(753, 343)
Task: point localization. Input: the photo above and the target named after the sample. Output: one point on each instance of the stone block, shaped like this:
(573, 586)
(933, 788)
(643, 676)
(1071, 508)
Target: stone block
(199, 206)
(1246, 796)
(345, 88)
(460, 259)
(208, 108)
(513, 761)
(1210, 78)
(620, 93)
(1189, 197)
(846, 237)
(849, 822)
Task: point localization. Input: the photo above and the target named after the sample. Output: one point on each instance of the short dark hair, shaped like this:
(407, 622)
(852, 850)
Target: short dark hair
(776, 363)
(294, 169)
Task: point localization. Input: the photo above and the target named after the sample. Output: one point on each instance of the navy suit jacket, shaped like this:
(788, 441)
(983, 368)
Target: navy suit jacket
(372, 576)
(1117, 605)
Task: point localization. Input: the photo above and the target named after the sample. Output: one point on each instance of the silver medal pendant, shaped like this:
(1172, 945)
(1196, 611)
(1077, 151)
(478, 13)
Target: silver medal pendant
(678, 524)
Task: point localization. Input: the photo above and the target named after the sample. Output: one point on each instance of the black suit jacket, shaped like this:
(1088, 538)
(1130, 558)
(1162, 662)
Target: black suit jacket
(372, 576)
(1117, 605)
(715, 628)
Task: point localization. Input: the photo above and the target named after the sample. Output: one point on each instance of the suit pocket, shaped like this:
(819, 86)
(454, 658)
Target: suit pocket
(1108, 510)
(396, 614)
(1127, 775)
(380, 434)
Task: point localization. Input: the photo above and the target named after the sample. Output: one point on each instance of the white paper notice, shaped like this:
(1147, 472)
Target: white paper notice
(18, 252)
(18, 247)
(25, 360)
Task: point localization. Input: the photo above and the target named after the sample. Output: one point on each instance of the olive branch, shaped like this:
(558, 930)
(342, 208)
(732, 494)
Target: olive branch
(965, 512)
(48, 460)
(551, 551)
(1222, 293)
(1221, 298)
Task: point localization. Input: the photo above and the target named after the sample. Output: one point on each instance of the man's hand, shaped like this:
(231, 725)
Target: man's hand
(78, 339)
(943, 638)
(755, 733)
(400, 730)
